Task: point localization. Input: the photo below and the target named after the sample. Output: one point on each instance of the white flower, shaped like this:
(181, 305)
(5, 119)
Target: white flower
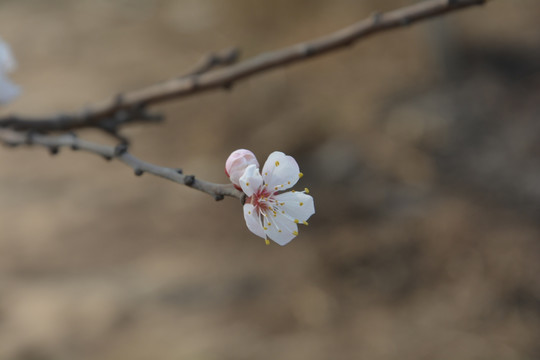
(237, 163)
(270, 213)
(8, 90)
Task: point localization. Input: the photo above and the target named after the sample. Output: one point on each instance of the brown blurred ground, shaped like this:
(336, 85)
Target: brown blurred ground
(420, 146)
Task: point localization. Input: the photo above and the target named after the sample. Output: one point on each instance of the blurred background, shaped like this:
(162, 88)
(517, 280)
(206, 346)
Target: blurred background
(420, 146)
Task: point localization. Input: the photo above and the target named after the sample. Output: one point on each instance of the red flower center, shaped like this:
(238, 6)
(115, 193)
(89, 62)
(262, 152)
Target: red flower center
(261, 200)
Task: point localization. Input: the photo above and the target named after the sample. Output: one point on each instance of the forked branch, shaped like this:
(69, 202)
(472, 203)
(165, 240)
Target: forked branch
(214, 72)
(129, 107)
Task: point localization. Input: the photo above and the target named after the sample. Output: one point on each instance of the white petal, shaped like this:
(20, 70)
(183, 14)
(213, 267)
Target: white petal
(279, 228)
(280, 171)
(8, 90)
(7, 61)
(251, 181)
(253, 221)
(297, 205)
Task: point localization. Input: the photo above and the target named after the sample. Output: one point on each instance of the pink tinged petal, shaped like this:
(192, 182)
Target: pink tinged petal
(253, 221)
(279, 228)
(251, 181)
(296, 205)
(237, 163)
(280, 171)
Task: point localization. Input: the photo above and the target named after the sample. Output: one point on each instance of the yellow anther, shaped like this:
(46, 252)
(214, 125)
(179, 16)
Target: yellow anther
(275, 215)
(269, 224)
(305, 223)
(281, 185)
(300, 175)
(283, 211)
(296, 221)
(293, 191)
(249, 212)
(281, 204)
(301, 204)
(288, 182)
(247, 184)
(277, 163)
(306, 190)
(265, 228)
(276, 188)
(265, 184)
(279, 230)
(267, 241)
(295, 233)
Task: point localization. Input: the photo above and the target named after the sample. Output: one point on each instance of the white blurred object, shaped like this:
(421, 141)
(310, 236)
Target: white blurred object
(8, 90)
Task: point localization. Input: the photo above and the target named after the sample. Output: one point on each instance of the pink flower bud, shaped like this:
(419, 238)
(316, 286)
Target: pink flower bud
(237, 163)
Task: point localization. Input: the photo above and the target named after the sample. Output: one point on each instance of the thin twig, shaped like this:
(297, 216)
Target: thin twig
(120, 152)
(206, 77)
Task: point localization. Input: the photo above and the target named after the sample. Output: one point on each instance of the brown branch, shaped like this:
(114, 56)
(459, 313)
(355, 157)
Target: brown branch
(206, 78)
(120, 152)
(118, 113)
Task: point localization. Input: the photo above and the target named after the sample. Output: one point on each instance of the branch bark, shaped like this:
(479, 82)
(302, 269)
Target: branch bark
(120, 152)
(206, 77)
(214, 72)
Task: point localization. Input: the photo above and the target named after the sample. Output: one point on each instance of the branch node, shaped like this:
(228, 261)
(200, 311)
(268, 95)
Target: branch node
(29, 137)
(376, 17)
(404, 21)
(194, 83)
(243, 199)
(138, 172)
(189, 180)
(120, 149)
(107, 157)
(219, 197)
(53, 150)
(74, 138)
(307, 50)
(228, 85)
(179, 171)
